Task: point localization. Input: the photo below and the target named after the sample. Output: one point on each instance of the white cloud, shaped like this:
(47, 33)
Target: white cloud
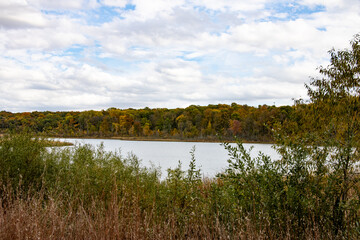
(58, 5)
(58, 34)
(240, 5)
(19, 15)
(115, 3)
(163, 53)
(146, 10)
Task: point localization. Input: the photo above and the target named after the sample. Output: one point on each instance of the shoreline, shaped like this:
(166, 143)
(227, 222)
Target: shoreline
(163, 139)
(154, 139)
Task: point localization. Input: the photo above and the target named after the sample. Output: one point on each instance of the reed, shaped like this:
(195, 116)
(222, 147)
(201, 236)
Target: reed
(87, 193)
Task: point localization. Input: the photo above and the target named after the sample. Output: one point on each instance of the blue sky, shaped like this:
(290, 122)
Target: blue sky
(97, 54)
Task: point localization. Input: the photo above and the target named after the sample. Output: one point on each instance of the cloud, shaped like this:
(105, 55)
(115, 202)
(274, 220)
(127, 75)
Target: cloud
(87, 54)
(115, 3)
(59, 5)
(18, 14)
(226, 5)
(146, 10)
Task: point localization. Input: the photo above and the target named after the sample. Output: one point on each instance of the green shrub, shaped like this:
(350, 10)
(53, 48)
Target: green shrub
(255, 197)
(22, 162)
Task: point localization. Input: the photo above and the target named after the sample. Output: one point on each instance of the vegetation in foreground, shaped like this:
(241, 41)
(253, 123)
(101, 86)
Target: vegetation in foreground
(85, 192)
(311, 192)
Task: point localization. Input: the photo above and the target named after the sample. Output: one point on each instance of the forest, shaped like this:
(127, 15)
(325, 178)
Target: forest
(203, 123)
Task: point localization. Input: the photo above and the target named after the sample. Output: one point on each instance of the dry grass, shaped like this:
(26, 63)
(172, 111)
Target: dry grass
(87, 193)
(52, 143)
(35, 217)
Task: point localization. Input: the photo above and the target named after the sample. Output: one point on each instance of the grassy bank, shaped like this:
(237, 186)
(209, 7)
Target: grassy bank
(53, 143)
(163, 139)
(46, 142)
(86, 193)
(215, 140)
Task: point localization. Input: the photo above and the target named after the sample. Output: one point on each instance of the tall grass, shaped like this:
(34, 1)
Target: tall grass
(84, 192)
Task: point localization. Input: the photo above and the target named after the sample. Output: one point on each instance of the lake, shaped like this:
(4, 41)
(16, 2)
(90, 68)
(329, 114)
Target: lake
(211, 158)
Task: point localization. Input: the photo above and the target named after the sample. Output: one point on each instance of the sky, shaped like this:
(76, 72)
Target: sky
(96, 54)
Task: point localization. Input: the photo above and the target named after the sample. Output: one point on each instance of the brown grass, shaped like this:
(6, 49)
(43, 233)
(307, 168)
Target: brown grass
(54, 218)
(33, 217)
(83, 193)
(52, 143)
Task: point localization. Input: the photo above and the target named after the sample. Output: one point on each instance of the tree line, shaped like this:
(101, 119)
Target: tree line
(194, 122)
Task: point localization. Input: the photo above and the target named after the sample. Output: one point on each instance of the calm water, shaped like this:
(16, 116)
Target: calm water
(210, 157)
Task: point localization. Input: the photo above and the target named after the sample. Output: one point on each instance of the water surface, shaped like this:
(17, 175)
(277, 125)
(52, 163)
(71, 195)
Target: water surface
(211, 158)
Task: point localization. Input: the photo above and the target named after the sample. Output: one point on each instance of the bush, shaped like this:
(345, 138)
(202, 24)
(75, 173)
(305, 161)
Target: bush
(22, 161)
(89, 192)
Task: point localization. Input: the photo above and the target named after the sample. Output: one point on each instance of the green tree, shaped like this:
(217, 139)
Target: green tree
(321, 157)
(336, 105)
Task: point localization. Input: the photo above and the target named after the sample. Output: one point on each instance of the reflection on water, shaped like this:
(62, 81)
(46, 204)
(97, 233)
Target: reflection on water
(210, 157)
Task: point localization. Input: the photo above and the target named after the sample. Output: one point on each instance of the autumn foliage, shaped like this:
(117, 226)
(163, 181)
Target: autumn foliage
(194, 122)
